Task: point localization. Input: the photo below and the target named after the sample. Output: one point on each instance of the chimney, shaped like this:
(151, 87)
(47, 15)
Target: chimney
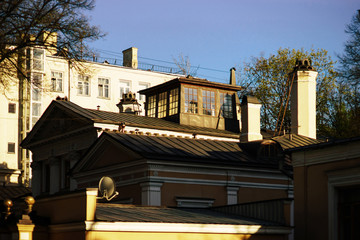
(250, 119)
(237, 108)
(50, 41)
(130, 57)
(129, 104)
(303, 99)
(232, 76)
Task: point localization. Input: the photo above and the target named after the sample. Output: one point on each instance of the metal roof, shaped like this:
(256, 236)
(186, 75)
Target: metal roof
(130, 213)
(11, 192)
(291, 141)
(187, 149)
(141, 121)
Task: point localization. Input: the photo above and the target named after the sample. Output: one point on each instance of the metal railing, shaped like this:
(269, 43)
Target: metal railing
(141, 65)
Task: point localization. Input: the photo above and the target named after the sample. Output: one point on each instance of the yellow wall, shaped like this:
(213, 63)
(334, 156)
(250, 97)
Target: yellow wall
(177, 236)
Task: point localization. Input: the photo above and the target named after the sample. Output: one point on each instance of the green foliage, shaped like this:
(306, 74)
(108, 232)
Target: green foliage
(266, 78)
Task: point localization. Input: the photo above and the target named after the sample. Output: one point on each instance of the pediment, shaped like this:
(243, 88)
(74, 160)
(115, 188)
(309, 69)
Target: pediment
(56, 121)
(105, 153)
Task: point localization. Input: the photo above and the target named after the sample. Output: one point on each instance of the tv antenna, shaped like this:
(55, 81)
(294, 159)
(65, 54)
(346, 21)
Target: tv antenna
(107, 188)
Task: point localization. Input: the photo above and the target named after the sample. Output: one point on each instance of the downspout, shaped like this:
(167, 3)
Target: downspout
(69, 75)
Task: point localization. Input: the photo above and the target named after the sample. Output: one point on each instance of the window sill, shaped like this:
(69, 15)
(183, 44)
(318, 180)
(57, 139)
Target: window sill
(83, 95)
(105, 98)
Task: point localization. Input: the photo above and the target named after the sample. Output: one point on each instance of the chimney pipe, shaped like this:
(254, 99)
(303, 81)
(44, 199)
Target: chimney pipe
(130, 58)
(250, 119)
(232, 76)
(303, 99)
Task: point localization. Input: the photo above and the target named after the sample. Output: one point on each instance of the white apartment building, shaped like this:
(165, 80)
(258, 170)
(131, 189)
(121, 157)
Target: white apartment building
(89, 84)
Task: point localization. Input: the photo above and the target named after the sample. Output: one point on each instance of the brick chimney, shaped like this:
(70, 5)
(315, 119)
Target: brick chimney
(130, 57)
(250, 119)
(50, 41)
(303, 99)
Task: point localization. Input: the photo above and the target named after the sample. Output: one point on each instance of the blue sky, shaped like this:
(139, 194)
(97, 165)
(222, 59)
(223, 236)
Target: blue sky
(220, 34)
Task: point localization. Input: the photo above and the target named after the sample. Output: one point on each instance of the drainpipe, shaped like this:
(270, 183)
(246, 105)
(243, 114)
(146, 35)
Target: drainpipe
(69, 75)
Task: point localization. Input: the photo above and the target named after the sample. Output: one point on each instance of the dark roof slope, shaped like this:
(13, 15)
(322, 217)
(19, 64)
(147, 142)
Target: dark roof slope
(188, 149)
(12, 192)
(130, 213)
(291, 141)
(142, 121)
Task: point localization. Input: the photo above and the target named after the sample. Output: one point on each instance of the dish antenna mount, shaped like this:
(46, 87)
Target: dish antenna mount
(107, 188)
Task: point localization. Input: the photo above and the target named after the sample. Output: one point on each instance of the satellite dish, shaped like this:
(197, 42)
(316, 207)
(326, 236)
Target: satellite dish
(107, 188)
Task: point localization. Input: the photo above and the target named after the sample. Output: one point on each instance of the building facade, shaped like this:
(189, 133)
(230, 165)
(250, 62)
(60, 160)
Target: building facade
(89, 84)
(327, 190)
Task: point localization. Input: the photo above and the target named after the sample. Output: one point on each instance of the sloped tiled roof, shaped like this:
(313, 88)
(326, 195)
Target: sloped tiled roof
(187, 149)
(12, 192)
(291, 141)
(130, 213)
(141, 121)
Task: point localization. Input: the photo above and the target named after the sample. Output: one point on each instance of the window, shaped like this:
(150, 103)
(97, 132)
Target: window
(38, 59)
(349, 210)
(174, 101)
(162, 105)
(191, 100)
(151, 111)
(12, 108)
(208, 102)
(57, 81)
(142, 86)
(11, 147)
(103, 87)
(226, 105)
(36, 98)
(83, 85)
(36, 112)
(124, 88)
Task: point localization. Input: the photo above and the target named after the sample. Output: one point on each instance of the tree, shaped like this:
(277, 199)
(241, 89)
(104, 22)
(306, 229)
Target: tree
(266, 79)
(24, 24)
(183, 63)
(350, 60)
(350, 79)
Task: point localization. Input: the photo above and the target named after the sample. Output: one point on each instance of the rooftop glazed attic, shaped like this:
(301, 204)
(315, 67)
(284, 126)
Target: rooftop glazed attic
(196, 102)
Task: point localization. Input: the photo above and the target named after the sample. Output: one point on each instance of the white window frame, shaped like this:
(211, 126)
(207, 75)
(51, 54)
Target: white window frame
(124, 89)
(41, 60)
(57, 79)
(36, 99)
(139, 96)
(104, 88)
(83, 83)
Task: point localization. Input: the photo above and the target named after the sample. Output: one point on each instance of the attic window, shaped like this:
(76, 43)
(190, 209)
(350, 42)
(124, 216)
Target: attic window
(173, 101)
(191, 100)
(208, 102)
(226, 105)
(151, 111)
(162, 105)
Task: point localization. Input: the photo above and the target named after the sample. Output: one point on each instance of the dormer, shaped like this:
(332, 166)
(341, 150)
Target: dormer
(194, 101)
